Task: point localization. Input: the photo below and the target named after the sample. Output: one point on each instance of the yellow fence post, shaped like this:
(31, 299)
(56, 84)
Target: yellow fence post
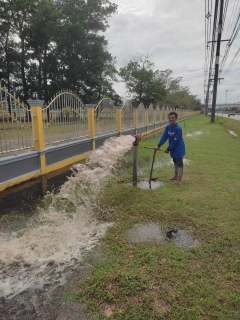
(135, 110)
(119, 118)
(161, 111)
(91, 124)
(36, 108)
(146, 117)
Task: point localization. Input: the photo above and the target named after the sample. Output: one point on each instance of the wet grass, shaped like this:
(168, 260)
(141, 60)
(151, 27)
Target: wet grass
(153, 281)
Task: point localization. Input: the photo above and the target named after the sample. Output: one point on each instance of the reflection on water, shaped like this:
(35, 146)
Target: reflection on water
(24, 197)
(156, 232)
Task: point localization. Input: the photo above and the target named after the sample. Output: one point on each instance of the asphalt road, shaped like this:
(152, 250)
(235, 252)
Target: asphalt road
(236, 117)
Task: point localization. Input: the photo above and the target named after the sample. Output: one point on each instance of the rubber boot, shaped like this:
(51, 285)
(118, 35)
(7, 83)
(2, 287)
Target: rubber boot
(178, 181)
(175, 177)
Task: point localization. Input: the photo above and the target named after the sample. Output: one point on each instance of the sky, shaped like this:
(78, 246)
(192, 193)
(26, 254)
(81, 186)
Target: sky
(172, 32)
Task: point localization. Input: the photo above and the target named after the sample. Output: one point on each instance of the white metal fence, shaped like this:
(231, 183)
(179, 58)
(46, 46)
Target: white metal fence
(158, 113)
(105, 117)
(127, 115)
(16, 128)
(150, 114)
(141, 115)
(66, 118)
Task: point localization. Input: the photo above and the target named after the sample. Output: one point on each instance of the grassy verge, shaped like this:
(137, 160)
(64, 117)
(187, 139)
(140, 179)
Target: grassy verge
(160, 281)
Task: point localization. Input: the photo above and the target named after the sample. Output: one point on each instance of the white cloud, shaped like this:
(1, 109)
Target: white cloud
(171, 31)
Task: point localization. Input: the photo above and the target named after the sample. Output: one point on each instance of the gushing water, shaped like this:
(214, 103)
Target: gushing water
(56, 237)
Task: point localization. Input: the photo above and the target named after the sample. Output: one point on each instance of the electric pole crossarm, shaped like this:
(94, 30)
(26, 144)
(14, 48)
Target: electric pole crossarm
(217, 41)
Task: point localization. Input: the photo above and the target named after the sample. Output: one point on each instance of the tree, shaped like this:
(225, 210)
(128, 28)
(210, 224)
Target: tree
(8, 50)
(142, 81)
(80, 50)
(49, 45)
(42, 33)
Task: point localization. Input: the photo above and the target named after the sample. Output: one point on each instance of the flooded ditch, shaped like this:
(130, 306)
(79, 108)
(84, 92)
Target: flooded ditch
(39, 256)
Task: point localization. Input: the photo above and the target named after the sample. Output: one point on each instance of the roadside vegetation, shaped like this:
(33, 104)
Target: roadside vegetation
(150, 280)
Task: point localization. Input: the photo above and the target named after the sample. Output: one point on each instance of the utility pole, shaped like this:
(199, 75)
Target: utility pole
(206, 103)
(217, 61)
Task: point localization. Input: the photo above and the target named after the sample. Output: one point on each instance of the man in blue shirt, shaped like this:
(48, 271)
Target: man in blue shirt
(173, 133)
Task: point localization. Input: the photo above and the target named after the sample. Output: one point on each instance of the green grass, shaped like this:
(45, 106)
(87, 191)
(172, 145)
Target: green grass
(198, 283)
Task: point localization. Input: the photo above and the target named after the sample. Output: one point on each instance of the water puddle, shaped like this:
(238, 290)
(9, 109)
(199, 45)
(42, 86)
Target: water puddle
(169, 162)
(40, 256)
(144, 184)
(145, 233)
(160, 234)
(232, 133)
(182, 239)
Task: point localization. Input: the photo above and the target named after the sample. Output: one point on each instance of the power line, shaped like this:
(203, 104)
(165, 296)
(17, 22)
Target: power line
(234, 60)
(214, 28)
(236, 28)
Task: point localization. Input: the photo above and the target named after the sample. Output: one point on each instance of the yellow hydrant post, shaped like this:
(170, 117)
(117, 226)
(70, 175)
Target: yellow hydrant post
(39, 145)
(91, 123)
(135, 115)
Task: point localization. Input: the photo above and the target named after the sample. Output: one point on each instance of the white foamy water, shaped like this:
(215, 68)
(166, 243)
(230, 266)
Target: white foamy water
(195, 134)
(60, 235)
(166, 161)
(232, 133)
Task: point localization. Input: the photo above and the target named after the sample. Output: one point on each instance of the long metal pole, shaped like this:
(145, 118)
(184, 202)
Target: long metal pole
(135, 158)
(135, 165)
(217, 62)
(150, 178)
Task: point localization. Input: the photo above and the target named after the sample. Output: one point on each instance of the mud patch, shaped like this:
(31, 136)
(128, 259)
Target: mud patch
(156, 232)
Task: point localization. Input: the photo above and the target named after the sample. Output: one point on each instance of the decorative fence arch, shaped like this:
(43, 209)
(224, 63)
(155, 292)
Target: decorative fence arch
(16, 128)
(105, 116)
(65, 118)
(127, 115)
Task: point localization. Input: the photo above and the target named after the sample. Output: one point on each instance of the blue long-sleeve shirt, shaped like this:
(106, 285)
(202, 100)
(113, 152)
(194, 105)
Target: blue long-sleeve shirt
(176, 142)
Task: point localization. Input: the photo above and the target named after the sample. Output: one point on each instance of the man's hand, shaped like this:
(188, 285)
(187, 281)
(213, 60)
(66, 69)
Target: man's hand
(156, 148)
(166, 151)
